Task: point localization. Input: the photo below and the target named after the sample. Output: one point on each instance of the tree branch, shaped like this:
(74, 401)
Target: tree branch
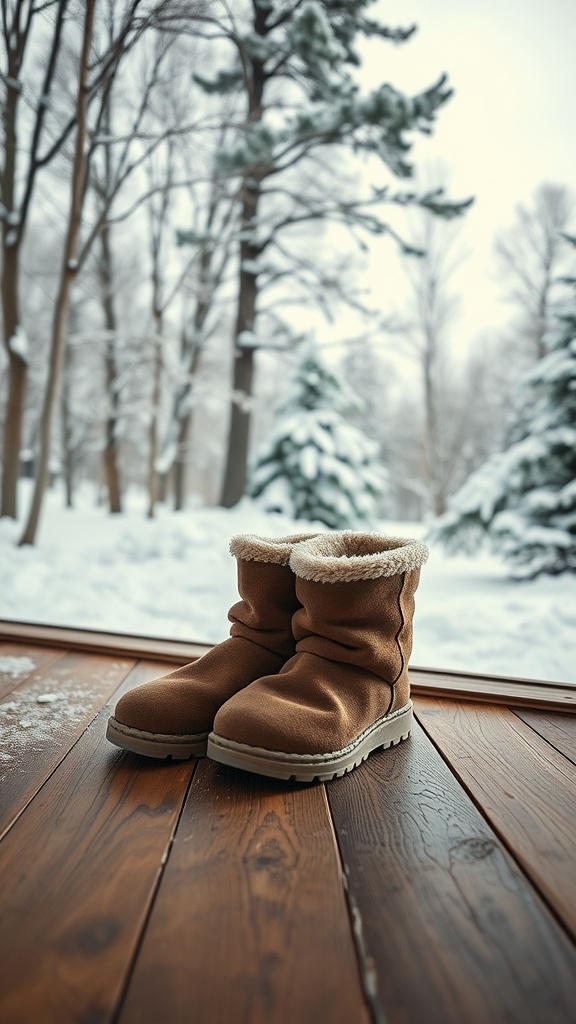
(34, 164)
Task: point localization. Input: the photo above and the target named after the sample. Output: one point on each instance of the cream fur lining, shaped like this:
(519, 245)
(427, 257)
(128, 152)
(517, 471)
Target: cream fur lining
(250, 548)
(348, 556)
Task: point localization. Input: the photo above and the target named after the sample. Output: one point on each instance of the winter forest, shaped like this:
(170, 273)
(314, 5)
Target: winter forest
(241, 287)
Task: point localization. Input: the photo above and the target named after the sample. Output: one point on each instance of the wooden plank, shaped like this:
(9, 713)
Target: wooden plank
(450, 928)
(250, 923)
(458, 676)
(19, 661)
(559, 730)
(79, 870)
(536, 693)
(94, 641)
(42, 718)
(526, 789)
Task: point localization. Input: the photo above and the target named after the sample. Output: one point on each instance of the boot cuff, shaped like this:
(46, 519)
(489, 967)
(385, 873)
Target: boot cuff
(348, 556)
(250, 548)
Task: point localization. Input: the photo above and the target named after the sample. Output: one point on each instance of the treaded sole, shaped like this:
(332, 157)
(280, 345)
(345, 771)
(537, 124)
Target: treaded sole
(384, 733)
(160, 745)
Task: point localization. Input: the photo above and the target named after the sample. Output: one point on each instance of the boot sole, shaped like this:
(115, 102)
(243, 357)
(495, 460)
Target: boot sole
(385, 732)
(156, 744)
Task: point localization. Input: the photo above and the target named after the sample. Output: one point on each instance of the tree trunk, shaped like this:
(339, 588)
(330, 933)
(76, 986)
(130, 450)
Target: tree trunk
(542, 324)
(180, 418)
(67, 451)
(156, 394)
(17, 368)
(237, 455)
(111, 461)
(67, 276)
(235, 473)
(183, 415)
(239, 433)
(111, 442)
(13, 226)
(435, 470)
(157, 224)
(180, 463)
(46, 422)
(17, 372)
(163, 482)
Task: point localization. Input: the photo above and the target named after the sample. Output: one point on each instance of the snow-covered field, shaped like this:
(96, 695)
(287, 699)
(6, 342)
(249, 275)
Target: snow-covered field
(173, 577)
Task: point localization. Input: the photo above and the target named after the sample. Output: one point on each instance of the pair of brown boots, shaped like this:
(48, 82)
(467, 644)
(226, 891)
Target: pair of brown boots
(314, 675)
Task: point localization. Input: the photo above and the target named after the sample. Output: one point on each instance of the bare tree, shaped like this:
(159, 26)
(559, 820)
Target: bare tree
(531, 255)
(69, 267)
(25, 105)
(110, 167)
(95, 80)
(106, 269)
(158, 205)
(66, 415)
(82, 391)
(432, 310)
(212, 240)
(160, 123)
(104, 187)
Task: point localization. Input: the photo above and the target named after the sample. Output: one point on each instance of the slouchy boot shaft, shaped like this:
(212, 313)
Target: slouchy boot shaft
(366, 624)
(263, 615)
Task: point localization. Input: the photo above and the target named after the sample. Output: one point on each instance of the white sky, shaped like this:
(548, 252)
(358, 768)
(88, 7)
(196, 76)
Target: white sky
(509, 126)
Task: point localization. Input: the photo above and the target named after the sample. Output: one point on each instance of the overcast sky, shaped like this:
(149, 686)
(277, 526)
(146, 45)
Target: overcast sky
(511, 123)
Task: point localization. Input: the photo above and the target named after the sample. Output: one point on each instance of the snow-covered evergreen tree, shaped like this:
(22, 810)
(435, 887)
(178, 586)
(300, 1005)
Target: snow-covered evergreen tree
(316, 465)
(524, 499)
(285, 73)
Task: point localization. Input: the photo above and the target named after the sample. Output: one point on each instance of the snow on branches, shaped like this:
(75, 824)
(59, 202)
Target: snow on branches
(524, 499)
(315, 465)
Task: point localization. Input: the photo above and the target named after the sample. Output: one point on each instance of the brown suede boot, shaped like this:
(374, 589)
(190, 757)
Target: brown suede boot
(346, 691)
(171, 716)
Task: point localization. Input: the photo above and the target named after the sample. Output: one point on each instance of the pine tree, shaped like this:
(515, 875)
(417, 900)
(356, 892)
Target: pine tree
(316, 465)
(524, 498)
(289, 73)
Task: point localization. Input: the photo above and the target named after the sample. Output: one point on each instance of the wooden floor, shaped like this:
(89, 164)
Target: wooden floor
(435, 883)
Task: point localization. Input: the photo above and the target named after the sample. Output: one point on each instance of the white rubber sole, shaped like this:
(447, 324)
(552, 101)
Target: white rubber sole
(156, 744)
(385, 732)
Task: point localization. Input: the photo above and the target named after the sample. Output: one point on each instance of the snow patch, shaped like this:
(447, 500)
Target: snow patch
(18, 343)
(247, 339)
(30, 720)
(166, 459)
(14, 667)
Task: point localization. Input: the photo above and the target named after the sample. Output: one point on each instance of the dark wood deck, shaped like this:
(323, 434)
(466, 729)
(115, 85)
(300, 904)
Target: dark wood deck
(435, 883)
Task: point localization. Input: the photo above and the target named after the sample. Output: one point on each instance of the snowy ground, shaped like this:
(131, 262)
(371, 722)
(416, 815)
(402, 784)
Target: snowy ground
(173, 577)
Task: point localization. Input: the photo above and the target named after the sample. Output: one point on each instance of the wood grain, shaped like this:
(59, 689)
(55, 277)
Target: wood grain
(448, 923)
(19, 670)
(525, 787)
(83, 863)
(41, 719)
(250, 923)
(537, 693)
(559, 730)
(96, 641)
